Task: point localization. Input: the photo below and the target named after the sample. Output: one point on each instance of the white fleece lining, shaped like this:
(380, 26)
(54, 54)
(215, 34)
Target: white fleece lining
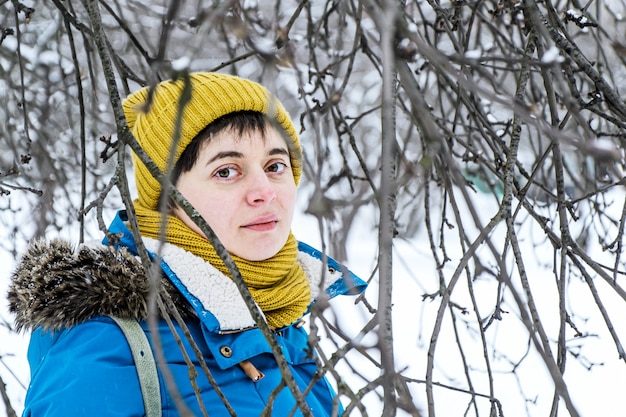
(313, 269)
(217, 292)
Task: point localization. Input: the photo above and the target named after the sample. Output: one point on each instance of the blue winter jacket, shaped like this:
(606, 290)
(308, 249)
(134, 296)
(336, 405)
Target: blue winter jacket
(81, 363)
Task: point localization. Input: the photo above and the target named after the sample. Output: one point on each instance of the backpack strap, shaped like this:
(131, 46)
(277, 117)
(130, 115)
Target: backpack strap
(144, 363)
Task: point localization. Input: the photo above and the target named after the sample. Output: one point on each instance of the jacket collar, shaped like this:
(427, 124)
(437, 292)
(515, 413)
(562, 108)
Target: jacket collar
(214, 296)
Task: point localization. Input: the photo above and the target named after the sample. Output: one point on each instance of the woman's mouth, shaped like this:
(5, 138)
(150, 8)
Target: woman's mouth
(262, 224)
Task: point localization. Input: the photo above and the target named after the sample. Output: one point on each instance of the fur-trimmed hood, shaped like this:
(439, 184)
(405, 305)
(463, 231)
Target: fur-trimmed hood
(56, 285)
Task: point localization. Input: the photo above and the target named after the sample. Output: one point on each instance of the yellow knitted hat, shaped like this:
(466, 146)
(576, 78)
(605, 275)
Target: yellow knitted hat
(212, 95)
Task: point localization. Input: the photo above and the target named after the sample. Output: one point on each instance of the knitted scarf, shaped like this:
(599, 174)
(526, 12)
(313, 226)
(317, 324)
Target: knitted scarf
(278, 285)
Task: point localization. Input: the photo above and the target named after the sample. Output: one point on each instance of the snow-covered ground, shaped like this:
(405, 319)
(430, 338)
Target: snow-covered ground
(595, 381)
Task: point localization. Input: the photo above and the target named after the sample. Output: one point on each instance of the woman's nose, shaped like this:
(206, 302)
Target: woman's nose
(260, 189)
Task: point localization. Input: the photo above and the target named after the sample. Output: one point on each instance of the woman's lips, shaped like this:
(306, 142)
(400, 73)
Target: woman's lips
(262, 224)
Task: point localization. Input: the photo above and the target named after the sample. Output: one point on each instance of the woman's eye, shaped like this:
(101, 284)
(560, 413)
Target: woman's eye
(277, 167)
(227, 172)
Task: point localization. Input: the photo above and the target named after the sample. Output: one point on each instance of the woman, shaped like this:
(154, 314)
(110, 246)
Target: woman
(237, 160)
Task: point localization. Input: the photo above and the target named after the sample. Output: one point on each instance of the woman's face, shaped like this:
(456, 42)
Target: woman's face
(243, 187)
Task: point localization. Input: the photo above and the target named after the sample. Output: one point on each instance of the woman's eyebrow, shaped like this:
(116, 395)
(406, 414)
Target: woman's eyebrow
(278, 151)
(235, 154)
(225, 154)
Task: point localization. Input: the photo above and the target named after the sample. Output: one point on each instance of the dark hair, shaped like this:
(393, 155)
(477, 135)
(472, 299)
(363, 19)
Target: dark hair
(241, 122)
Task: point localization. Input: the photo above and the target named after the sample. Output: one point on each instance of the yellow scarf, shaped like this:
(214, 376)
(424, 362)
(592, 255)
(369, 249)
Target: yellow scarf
(278, 285)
